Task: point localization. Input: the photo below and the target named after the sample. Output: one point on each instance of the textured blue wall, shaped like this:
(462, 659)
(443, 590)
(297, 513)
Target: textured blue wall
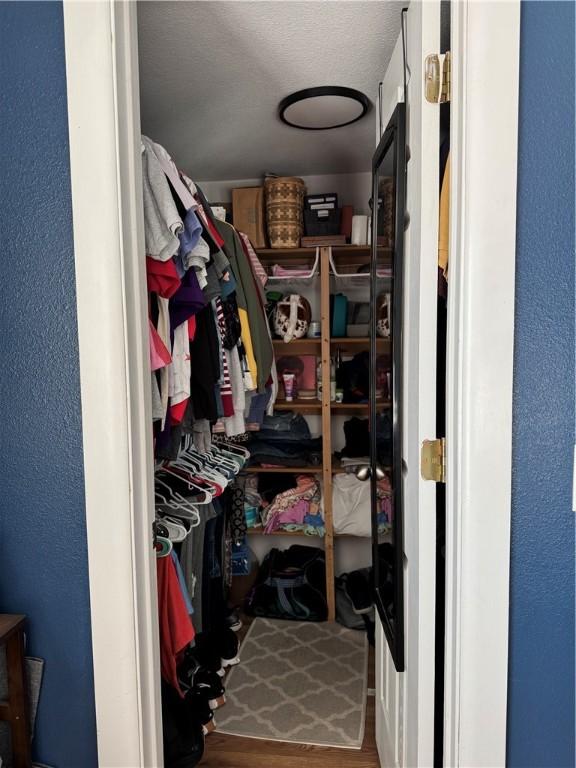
(541, 685)
(43, 558)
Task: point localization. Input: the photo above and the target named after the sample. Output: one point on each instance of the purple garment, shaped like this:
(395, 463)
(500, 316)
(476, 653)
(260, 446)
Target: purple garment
(186, 302)
(295, 514)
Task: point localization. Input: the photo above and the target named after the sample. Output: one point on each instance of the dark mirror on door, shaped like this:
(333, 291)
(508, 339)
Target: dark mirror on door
(388, 215)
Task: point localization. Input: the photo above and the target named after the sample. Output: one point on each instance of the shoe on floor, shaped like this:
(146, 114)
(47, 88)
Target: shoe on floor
(357, 585)
(233, 621)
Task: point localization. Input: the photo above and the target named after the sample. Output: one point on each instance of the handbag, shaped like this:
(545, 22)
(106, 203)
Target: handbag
(291, 584)
(292, 316)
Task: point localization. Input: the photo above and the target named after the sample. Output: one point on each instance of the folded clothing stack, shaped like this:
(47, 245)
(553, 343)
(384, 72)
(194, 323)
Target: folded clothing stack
(352, 506)
(357, 435)
(297, 508)
(284, 502)
(284, 440)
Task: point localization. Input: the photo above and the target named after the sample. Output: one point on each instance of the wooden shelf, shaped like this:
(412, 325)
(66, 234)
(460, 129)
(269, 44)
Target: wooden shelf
(260, 532)
(285, 470)
(297, 347)
(338, 469)
(343, 255)
(315, 406)
(337, 250)
(353, 407)
(353, 344)
(299, 406)
(350, 344)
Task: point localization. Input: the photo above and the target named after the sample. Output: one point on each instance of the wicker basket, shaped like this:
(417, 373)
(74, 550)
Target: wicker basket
(284, 205)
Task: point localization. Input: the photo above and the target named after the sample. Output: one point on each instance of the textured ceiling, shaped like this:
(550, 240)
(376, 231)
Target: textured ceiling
(212, 74)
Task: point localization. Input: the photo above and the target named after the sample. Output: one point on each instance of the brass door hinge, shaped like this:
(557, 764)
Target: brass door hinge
(433, 460)
(437, 77)
(446, 89)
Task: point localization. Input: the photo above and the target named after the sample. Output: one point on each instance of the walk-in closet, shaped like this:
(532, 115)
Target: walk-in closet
(274, 244)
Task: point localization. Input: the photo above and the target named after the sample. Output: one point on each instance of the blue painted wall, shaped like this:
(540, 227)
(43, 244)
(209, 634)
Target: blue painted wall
(43, 562)
(541, 685)
(43, 558)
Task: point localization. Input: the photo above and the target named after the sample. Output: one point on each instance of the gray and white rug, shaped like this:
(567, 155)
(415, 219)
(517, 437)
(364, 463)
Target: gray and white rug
(303, 682)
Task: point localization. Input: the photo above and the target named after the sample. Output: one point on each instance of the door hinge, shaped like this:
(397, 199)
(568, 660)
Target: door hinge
(433, 460)
(446, 89)
(437, 77)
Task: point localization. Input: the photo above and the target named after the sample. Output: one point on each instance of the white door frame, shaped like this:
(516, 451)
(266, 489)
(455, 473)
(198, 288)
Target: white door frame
(483, 144)
(104, 125)
(104, 129)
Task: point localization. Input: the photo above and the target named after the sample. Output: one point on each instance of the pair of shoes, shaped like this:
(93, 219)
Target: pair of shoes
(217, 650)
(193, 676)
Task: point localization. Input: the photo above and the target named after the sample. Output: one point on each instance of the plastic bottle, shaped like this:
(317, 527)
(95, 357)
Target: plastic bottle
(332, 380)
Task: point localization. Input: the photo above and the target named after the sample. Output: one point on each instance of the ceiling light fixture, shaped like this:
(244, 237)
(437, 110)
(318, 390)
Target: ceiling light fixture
(323, 108)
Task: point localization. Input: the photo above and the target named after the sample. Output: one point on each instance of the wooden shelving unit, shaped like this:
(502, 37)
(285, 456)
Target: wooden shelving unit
(315, 406)
(285, 470)
(299, 406)
(347, 259)
(260, 532)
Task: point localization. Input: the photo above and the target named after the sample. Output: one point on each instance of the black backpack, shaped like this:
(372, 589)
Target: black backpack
(291, 584)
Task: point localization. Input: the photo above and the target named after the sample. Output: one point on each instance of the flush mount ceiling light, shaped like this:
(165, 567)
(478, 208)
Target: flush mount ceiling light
(319, 109)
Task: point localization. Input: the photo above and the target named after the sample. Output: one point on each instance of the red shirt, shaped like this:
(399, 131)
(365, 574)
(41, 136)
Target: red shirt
(176, 630)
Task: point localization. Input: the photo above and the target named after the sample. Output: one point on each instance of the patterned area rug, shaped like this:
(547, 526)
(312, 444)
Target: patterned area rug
(298, 681)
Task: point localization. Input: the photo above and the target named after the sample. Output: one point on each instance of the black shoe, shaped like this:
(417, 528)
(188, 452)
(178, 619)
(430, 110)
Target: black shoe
(210, 685)
(200, 710)
(358, 588)
(205, 655)
(233, 621)
(228, 645)
(222, 644)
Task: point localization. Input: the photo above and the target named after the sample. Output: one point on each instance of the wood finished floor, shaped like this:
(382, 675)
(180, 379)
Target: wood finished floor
(236, 752)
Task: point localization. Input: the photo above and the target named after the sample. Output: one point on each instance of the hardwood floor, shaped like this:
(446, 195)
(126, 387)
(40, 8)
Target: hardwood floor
(235, 752)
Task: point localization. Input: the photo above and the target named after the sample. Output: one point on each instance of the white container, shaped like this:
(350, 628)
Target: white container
(359, 230)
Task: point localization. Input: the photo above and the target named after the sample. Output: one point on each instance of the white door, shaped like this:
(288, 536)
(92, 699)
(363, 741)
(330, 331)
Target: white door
(405, 700)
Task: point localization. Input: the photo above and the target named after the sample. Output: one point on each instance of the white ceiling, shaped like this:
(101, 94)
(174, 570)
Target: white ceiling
(212, 75)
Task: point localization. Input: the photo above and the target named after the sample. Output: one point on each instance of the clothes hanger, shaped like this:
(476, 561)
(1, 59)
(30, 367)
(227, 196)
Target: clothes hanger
(162, 546)
(188, 481)
(177, 531)
(239, 459)
(215, 464)
(232, 464)
(169, 501)
(234, 448)
(199, 465)
(179, 506)
(199, 477)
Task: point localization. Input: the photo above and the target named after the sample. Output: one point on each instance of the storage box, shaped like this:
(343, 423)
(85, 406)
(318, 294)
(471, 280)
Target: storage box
(248, 214)
(338, 314)
(322, 221)
(319, 202)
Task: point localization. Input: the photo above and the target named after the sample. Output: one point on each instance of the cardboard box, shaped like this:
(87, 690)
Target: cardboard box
(248, 214)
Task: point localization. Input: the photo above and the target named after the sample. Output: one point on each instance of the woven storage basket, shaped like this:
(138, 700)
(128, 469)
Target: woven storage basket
(284, 205)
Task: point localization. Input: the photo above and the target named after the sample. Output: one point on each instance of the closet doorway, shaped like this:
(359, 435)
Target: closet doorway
(110, 157)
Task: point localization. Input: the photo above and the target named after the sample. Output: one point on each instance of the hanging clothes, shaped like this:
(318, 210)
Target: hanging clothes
(176, 630)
